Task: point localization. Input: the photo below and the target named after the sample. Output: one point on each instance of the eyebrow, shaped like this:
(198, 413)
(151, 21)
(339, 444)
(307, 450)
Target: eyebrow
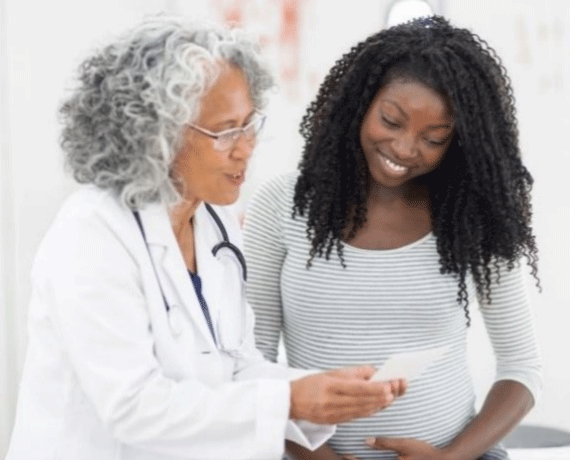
(233, 121)
(430, 127)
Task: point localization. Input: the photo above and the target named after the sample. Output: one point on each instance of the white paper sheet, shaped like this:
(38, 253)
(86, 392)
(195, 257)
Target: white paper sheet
(409, 365)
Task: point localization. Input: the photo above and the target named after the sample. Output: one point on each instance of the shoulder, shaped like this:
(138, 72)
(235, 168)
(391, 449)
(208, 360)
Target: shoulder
(89, 205)
(84, 207)
(281, 183)
(86, 218)
(276, 193)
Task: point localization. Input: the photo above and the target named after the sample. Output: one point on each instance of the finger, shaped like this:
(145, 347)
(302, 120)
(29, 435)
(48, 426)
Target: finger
(346, 414)
(363, 372)
(398, 445)
(395, 387)
(398, 386)
(403, 387)
(343, 416)
(360, 387)
(347, 401)
(357, 372)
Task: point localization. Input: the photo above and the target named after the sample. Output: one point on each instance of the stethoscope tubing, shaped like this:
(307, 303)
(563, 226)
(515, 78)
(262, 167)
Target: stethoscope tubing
(225, 243)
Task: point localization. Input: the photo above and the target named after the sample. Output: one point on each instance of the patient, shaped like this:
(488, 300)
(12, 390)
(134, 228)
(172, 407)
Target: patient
(411, 206)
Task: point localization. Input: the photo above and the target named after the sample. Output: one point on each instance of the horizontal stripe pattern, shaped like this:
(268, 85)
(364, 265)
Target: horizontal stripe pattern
(385, 302)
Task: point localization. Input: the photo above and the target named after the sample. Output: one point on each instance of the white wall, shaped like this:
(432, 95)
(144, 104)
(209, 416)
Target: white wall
(533, 40)
(45, 41)
(7, 291)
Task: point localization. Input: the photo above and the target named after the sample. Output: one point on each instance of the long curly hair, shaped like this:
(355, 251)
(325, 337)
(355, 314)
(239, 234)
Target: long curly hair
(123, 122)
(480, 193)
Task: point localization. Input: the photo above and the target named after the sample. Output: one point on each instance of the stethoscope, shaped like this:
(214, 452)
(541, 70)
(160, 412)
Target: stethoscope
(174, 313)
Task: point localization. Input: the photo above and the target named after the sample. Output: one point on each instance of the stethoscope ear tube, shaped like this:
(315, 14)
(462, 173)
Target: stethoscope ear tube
(226, 241)
(236, 251)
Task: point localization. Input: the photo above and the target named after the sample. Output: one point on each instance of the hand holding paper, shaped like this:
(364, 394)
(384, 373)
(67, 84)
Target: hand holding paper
(408, 365)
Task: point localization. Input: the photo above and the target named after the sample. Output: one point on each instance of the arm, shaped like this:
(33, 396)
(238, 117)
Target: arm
(506, 404)
(509, 323)
(265, 251)
(101, 306)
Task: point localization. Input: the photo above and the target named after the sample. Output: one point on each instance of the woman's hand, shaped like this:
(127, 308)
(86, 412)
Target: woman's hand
(341, 395)
(408, 449)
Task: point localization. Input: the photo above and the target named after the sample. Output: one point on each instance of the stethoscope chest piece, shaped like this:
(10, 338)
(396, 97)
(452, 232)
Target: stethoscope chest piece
(175, 320)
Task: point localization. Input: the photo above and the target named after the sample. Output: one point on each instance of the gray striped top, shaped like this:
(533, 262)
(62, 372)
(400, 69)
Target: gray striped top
(384, 302)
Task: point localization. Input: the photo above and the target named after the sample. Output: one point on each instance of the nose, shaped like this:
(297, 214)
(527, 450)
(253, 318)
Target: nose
(404, 146)
(243, 148)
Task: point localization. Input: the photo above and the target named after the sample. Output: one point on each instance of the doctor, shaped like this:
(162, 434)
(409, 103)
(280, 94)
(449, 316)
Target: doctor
(140, 340)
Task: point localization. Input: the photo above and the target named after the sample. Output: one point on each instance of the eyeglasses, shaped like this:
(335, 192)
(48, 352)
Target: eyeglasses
(225, 140)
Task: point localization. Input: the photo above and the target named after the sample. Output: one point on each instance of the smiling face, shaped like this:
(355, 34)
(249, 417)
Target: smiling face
(210, 175)
(405, 133)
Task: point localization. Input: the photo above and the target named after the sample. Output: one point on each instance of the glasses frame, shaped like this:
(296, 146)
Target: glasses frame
(235, 133)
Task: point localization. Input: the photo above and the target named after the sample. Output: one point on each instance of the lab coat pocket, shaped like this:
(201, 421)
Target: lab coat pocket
(176, 347)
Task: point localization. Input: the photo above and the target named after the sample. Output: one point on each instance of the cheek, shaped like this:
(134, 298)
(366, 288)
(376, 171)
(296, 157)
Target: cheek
(372, 131)
(195, 167)
(435, 159)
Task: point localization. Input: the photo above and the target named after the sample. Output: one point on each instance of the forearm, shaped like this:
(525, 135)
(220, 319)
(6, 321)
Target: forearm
(296, 452)
(506, 404)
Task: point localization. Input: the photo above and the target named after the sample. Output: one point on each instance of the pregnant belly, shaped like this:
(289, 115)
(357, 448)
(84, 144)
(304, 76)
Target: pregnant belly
(435, 418)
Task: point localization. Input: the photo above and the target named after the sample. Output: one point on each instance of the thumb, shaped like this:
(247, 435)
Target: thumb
(395, 444)
(363, 372)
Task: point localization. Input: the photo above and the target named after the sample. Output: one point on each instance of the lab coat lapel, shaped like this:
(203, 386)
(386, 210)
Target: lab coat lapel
(210, 269)
(171, 268)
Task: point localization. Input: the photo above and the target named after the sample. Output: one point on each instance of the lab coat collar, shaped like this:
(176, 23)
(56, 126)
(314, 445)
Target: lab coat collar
(167, 255)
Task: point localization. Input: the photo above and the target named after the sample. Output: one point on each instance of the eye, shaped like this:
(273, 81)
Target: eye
(229, 135)
(390, 123)
(435, 143)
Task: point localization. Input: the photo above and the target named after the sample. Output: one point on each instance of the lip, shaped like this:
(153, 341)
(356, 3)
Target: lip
(236, 179)
(388, 162)
(391, 158)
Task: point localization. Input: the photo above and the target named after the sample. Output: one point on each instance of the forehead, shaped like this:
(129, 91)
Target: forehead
(229, 93)
(413, 96)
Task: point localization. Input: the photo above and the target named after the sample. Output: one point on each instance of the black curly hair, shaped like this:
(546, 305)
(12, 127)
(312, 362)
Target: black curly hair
(480, 193)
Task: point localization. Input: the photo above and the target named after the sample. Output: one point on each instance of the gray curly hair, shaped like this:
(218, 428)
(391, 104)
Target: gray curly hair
(123, 124)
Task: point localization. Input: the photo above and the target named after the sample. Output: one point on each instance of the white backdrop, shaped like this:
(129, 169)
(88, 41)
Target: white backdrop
(41, 44)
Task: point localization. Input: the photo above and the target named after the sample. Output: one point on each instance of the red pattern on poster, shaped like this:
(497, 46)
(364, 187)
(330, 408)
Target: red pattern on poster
(277, 23)
(231, 11)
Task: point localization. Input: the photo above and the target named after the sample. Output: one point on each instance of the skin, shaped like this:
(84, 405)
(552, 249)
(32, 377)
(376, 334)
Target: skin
(206, 172)
(208, 175)
(412, 125)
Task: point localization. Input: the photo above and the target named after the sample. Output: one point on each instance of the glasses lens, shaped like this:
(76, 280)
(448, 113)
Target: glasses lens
(227, 139)
(253, 129)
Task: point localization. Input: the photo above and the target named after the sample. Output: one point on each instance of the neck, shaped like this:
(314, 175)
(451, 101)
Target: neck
(181, 217)
(408, 193)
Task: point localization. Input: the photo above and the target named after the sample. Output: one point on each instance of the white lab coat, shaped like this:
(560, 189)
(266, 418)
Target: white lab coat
(105, 376)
